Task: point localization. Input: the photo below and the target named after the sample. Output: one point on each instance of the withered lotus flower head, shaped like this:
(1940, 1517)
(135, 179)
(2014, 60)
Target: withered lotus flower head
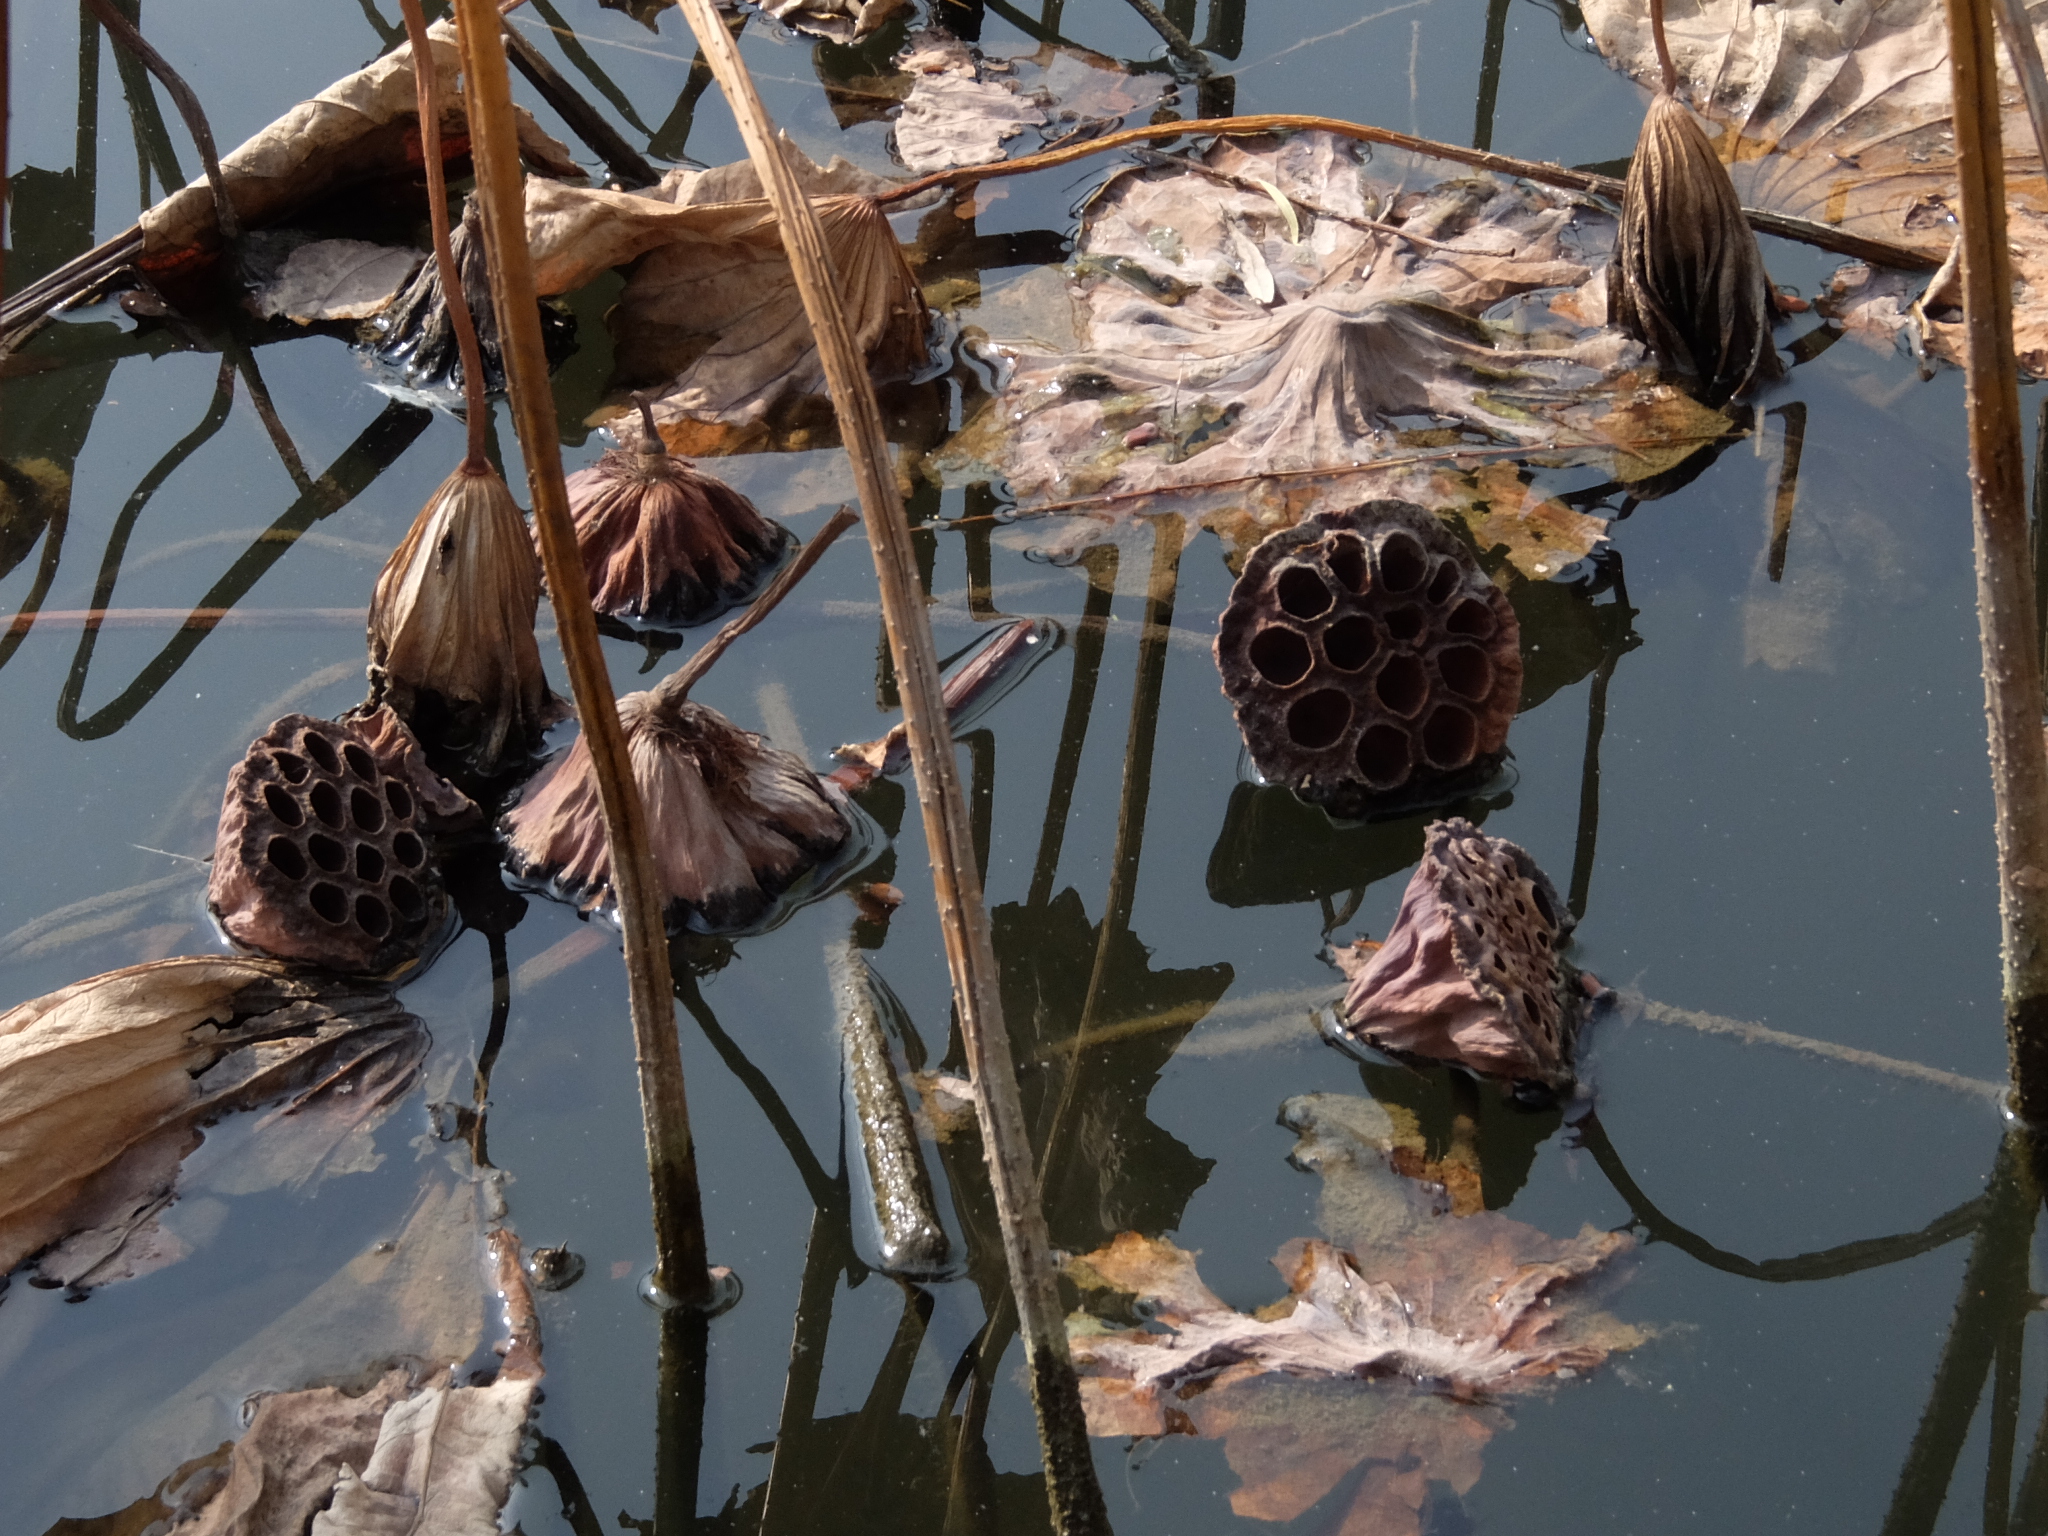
(1468, 973)
(322, 853)
(733, 821)
(661, 542)
(1689, 281)
(451, 627)
(1369, 660)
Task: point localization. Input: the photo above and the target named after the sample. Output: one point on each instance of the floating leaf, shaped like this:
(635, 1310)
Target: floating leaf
(1369, 1363)
(337, 280)
(956, 113)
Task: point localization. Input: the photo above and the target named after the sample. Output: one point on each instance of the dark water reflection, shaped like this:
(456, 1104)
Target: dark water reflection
(1757, 756)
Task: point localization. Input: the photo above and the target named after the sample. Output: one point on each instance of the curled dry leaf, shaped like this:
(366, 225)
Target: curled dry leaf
(956, 113)
(104, 1085)
(363, 127)
(1221, 357)
(663, 542)
(452, 648)
(734, 822)
(1840, 113)
(710, 321)
(1469, 973)
(322, 854)
(1362, 1376)
(1368, 659)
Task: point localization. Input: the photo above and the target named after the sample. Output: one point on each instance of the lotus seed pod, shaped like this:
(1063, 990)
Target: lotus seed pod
(662, 542)
(1469, 972)
(1369, 659)
(321, 855)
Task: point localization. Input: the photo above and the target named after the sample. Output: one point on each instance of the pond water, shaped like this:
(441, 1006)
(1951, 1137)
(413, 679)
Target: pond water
(1789, 824)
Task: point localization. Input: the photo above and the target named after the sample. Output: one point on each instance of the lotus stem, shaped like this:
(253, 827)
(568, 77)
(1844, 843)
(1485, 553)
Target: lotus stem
(2018, 31)
(675, 688)
(426, 84)
(1880, 252)
(1667, 70)
(2005, 588)
(123, 31)
(1077, 1504)
(681, 1270)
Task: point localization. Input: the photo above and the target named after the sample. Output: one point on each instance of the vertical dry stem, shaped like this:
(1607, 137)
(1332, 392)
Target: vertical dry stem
(2005, 597)
(680, 1266)
(970, 954)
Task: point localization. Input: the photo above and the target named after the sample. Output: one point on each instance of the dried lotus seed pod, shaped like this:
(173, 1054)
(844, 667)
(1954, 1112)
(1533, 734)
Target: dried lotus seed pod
(321, 856)
(1370, 661)
(1469, 971)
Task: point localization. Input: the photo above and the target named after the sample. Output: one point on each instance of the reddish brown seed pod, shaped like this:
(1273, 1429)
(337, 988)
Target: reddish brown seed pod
(321, 855)
(1469, 971)
(1369, 659)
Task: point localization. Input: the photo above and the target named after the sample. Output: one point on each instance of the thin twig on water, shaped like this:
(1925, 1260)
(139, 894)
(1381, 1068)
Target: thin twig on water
(1077, 1504)
(2005, 588)
(681, 1270)
(1881, 252)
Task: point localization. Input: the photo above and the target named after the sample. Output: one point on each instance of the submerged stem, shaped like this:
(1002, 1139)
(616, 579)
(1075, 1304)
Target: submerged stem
(426, 84)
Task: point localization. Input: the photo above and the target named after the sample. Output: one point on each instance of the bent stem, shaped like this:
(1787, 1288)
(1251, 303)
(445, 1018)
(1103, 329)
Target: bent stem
(123, 31)
(426, 84)
(1077, 1504)
(2005, 590)
(680, 1270)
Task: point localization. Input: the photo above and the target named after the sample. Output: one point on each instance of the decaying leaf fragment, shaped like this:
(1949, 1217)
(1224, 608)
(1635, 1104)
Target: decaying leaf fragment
(1689, 280)
(337, 280)
(1840, 113)
(452, 648)
(710, 323)
(661, 541)
(105, 1084)
(1364, 1375)
(957, 112)
(837, 21)
(734, 822)
(364, 126)
(1469, 972)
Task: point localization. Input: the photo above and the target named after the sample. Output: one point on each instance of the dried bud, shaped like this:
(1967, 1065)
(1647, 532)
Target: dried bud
(451, 628)
(320, 856)
(733, 822)
(663, 543)
(1690, 282)
(1469, 973)
(1369, 660)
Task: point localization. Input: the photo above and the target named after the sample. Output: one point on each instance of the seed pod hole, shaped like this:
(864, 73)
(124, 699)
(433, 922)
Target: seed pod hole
(1405, 625)
(285, 858)
(1402, 686)
(1444, 583)
(328, 901)
(326, 802)
(1350, 643)
(1384, 756)
(399, 799)
(1302, 592)
(1471, 617)
(1449, 737)
(360, 763)
(1319, 719)
(369, 864)
(366, 810)
(1465, 671)
(327, 853)
(321, 750)
(1346, 559)
(1281, 655)
(406, 898)
(371, 916)
(283, 806)
(291, 766)
(1402, 563)
(408, 850)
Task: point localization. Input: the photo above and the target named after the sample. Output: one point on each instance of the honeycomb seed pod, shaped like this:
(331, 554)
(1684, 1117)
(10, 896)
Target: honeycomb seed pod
(732, 822)
(663, 543)
(1469, 971)
(1370, 661)
(322, 854)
